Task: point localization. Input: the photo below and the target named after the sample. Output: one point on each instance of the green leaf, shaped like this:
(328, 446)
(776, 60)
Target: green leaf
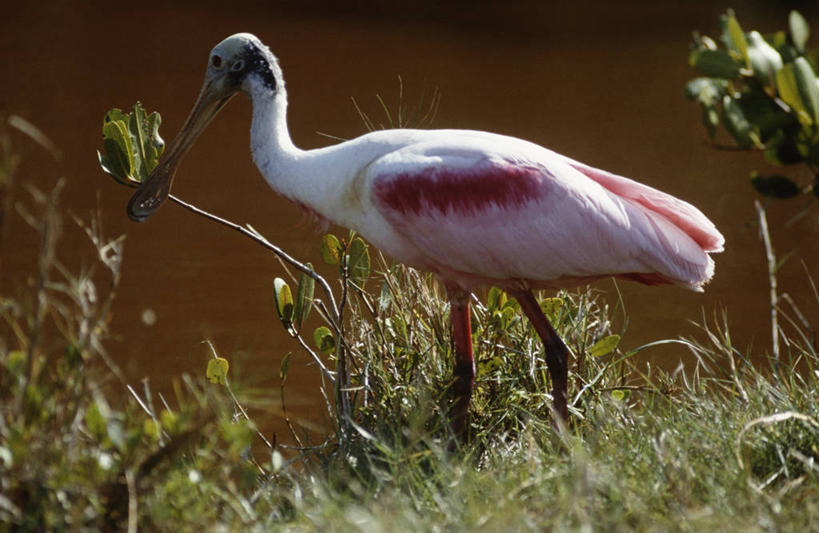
(707, 91)
(551, 306)
(733, 36)
(604, 346)
(304, 298)
(775, 186)
(116, 115)
(800, 31)
(150, 143)
(495, 299)
(119, 155)
(764, 114)
(789, 52)
(284, 302)
(512, 304)
(285, 367)
(764, 59)
(217, 370)
(131, 144)
(358, 262)
(715, 64)
(619, 395)
(806, 84)
(138, 138)
(737, 124)
(788, 89)
(331, 249)
(710, 118)
(705, 42)
(778, 39)
(324, 339)
(508, 315)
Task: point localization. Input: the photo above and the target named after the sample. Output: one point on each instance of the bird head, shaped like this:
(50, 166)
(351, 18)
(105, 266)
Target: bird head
(239, 63)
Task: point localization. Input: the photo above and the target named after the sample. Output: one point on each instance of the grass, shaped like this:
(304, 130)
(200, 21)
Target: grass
(719, 445)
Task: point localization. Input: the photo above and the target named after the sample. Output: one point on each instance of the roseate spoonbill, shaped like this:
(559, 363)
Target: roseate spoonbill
(473, 207)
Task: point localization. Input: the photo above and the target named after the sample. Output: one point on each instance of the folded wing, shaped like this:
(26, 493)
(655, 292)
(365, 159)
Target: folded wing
(535, 215)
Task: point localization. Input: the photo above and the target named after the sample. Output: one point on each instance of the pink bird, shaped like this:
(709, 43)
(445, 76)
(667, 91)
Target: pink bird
(473, 207)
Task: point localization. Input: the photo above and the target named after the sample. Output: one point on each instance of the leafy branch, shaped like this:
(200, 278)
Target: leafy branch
(763, 91)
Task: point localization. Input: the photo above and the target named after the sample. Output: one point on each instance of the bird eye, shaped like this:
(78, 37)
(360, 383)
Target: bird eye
(216, 61)
(238, 65)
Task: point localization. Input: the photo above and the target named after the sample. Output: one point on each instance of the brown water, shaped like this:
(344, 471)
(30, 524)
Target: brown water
(599, 83)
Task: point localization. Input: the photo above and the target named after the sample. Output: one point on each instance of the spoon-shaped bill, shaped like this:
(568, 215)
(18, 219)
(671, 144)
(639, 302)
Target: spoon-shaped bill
(155, 189)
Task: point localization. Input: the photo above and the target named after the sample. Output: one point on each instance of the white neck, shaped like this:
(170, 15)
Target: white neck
(316, 179)
(273, 150)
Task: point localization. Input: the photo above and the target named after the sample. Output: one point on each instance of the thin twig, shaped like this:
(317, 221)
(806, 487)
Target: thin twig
(342, 383)
(139, 400)
(326, 371)
(236, 400)
(259, 239)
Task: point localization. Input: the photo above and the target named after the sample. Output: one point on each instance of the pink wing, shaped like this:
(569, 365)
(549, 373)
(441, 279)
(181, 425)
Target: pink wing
(503, 211)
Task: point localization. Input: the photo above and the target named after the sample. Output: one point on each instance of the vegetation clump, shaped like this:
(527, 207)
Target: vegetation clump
(763, 90)
(717, 444)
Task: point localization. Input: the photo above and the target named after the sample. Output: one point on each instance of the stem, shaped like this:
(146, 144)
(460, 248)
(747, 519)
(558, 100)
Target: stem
(259, 239)
(769, 254)
(342, 382)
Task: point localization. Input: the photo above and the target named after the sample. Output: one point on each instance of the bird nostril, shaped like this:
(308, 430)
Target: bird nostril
(216, 61)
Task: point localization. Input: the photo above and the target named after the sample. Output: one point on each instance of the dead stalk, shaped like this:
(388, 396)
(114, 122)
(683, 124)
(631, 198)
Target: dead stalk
(769, 254)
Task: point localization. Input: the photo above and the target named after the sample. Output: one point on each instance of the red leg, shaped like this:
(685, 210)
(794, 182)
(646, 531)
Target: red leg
(557, 355)
(464, 371)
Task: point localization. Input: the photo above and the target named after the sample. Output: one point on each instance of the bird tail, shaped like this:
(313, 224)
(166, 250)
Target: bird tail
(685, 235)
(676, 255)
